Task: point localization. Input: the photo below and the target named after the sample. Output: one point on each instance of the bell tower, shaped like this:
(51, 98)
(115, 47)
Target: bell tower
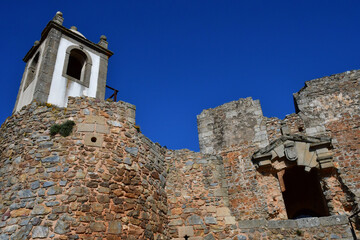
(62, 64)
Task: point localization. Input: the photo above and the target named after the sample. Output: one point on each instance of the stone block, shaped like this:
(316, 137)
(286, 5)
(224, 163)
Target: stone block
(223, 212)
(210, 220)
(62, 227)
(94, 119)
(308, 222)
(94, 140)
(27, 193)
(176, 222)
(132, 150)
(333, 220)
(102, 129)
(51, 159)
(40, 232)
(211, 209)
(185, 230)
(40, 210)
(282, 224)
(98, 227)
(114, 123)
(209, 237)
(220, 192)
(20, 212)
(85, 127)
(48, 184)
(230, 220)
(194, 220)
(115, 227)
(256, 223)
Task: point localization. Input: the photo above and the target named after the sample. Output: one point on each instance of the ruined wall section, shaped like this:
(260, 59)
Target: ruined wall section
(234, 131)
(104, 181)
(231, 125)
(331, 106)
(197, 196)
(327, 99)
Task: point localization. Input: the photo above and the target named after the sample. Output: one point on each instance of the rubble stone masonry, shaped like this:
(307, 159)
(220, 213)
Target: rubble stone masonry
(108, 181)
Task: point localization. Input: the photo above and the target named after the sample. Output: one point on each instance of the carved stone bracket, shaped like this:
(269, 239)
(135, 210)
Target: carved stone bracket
(302, 150)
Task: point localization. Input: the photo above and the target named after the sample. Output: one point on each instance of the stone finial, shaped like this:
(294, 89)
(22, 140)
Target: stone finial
(36, 43)
(103, 41)
(58, 18)
(73, 28)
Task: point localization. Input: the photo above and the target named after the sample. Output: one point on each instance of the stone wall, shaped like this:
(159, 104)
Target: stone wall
(230, 125)
(108, 181)
(104, 181)
(197, 196)
(326, 107)
(331, 106)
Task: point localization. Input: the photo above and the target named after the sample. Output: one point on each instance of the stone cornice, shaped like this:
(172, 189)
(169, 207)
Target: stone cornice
(70, 34)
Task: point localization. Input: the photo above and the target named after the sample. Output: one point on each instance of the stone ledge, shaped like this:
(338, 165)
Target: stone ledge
(298, 223)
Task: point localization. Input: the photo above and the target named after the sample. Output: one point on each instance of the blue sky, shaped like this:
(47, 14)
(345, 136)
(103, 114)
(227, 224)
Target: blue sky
(172, 59)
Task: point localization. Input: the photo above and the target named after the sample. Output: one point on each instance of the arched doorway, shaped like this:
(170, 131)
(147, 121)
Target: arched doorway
(303, 196)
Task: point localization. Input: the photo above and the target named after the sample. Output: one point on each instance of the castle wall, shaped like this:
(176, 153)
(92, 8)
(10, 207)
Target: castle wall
(327, 106)
(108, 181)
(331, 106)
(104, 181)
(197, 195)
(230, 125)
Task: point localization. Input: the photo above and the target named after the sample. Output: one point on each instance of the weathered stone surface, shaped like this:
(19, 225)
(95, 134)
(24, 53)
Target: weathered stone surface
(282, 224)
(98, 227)
(333, 220)
(132, 150)
(210, 220)
(27, 193)
(115, 227)
(20, 212)
(252, 223)
(48, 184)
(52, 159)
(194, 220)
(209, 237)
(40, 210)
(62, 227)
(40, 232)
(308, 222)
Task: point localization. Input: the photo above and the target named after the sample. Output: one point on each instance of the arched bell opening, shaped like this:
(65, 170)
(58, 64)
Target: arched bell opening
(302, 193)
(76, 64)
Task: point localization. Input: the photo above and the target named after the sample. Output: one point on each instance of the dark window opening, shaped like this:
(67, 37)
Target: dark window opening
(303, 196)
(32, 71)
(76, 64)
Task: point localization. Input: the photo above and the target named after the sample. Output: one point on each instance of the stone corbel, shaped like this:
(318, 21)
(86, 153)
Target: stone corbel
(323, 156)
(262, 160)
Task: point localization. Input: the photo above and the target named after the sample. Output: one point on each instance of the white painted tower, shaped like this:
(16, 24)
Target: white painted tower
(62, 64)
